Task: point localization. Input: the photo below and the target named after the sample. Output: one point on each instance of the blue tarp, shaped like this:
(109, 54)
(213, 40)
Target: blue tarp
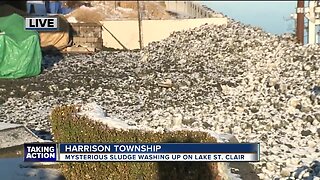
(41, 9)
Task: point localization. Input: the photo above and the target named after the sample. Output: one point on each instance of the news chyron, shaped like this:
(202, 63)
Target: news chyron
(142, 152)
(41, 23)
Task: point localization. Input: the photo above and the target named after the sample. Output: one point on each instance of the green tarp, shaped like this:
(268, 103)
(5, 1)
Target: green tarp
(20, 51)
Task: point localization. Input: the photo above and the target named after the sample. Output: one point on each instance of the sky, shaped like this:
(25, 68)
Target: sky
(272, 16)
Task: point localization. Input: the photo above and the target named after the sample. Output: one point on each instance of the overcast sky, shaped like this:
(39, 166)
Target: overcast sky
(272, 16)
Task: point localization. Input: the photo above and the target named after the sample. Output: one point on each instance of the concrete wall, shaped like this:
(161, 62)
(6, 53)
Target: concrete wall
(126, 32)
(87, 35)
(189, 8)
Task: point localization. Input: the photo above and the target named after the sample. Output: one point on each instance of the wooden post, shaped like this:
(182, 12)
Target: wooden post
(140, 25)
(300, 22)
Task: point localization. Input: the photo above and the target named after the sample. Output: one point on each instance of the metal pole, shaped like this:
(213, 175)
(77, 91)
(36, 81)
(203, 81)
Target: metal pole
(311, 23)
(300, 22)
(140, 25)
(317, 34)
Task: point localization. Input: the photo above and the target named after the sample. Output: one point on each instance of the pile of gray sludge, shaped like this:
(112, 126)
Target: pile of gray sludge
(230, 79)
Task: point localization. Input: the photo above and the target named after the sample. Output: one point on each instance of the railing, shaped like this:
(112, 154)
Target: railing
(189, 9)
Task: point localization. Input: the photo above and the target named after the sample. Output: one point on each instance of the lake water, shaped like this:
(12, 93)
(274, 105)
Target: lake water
(272, 16)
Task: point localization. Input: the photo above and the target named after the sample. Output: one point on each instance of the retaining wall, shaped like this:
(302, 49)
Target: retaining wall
(87, 35)
(127, 32)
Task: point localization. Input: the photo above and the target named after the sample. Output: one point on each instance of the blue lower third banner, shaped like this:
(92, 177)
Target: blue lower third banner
(157, 157)
(144, 152)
